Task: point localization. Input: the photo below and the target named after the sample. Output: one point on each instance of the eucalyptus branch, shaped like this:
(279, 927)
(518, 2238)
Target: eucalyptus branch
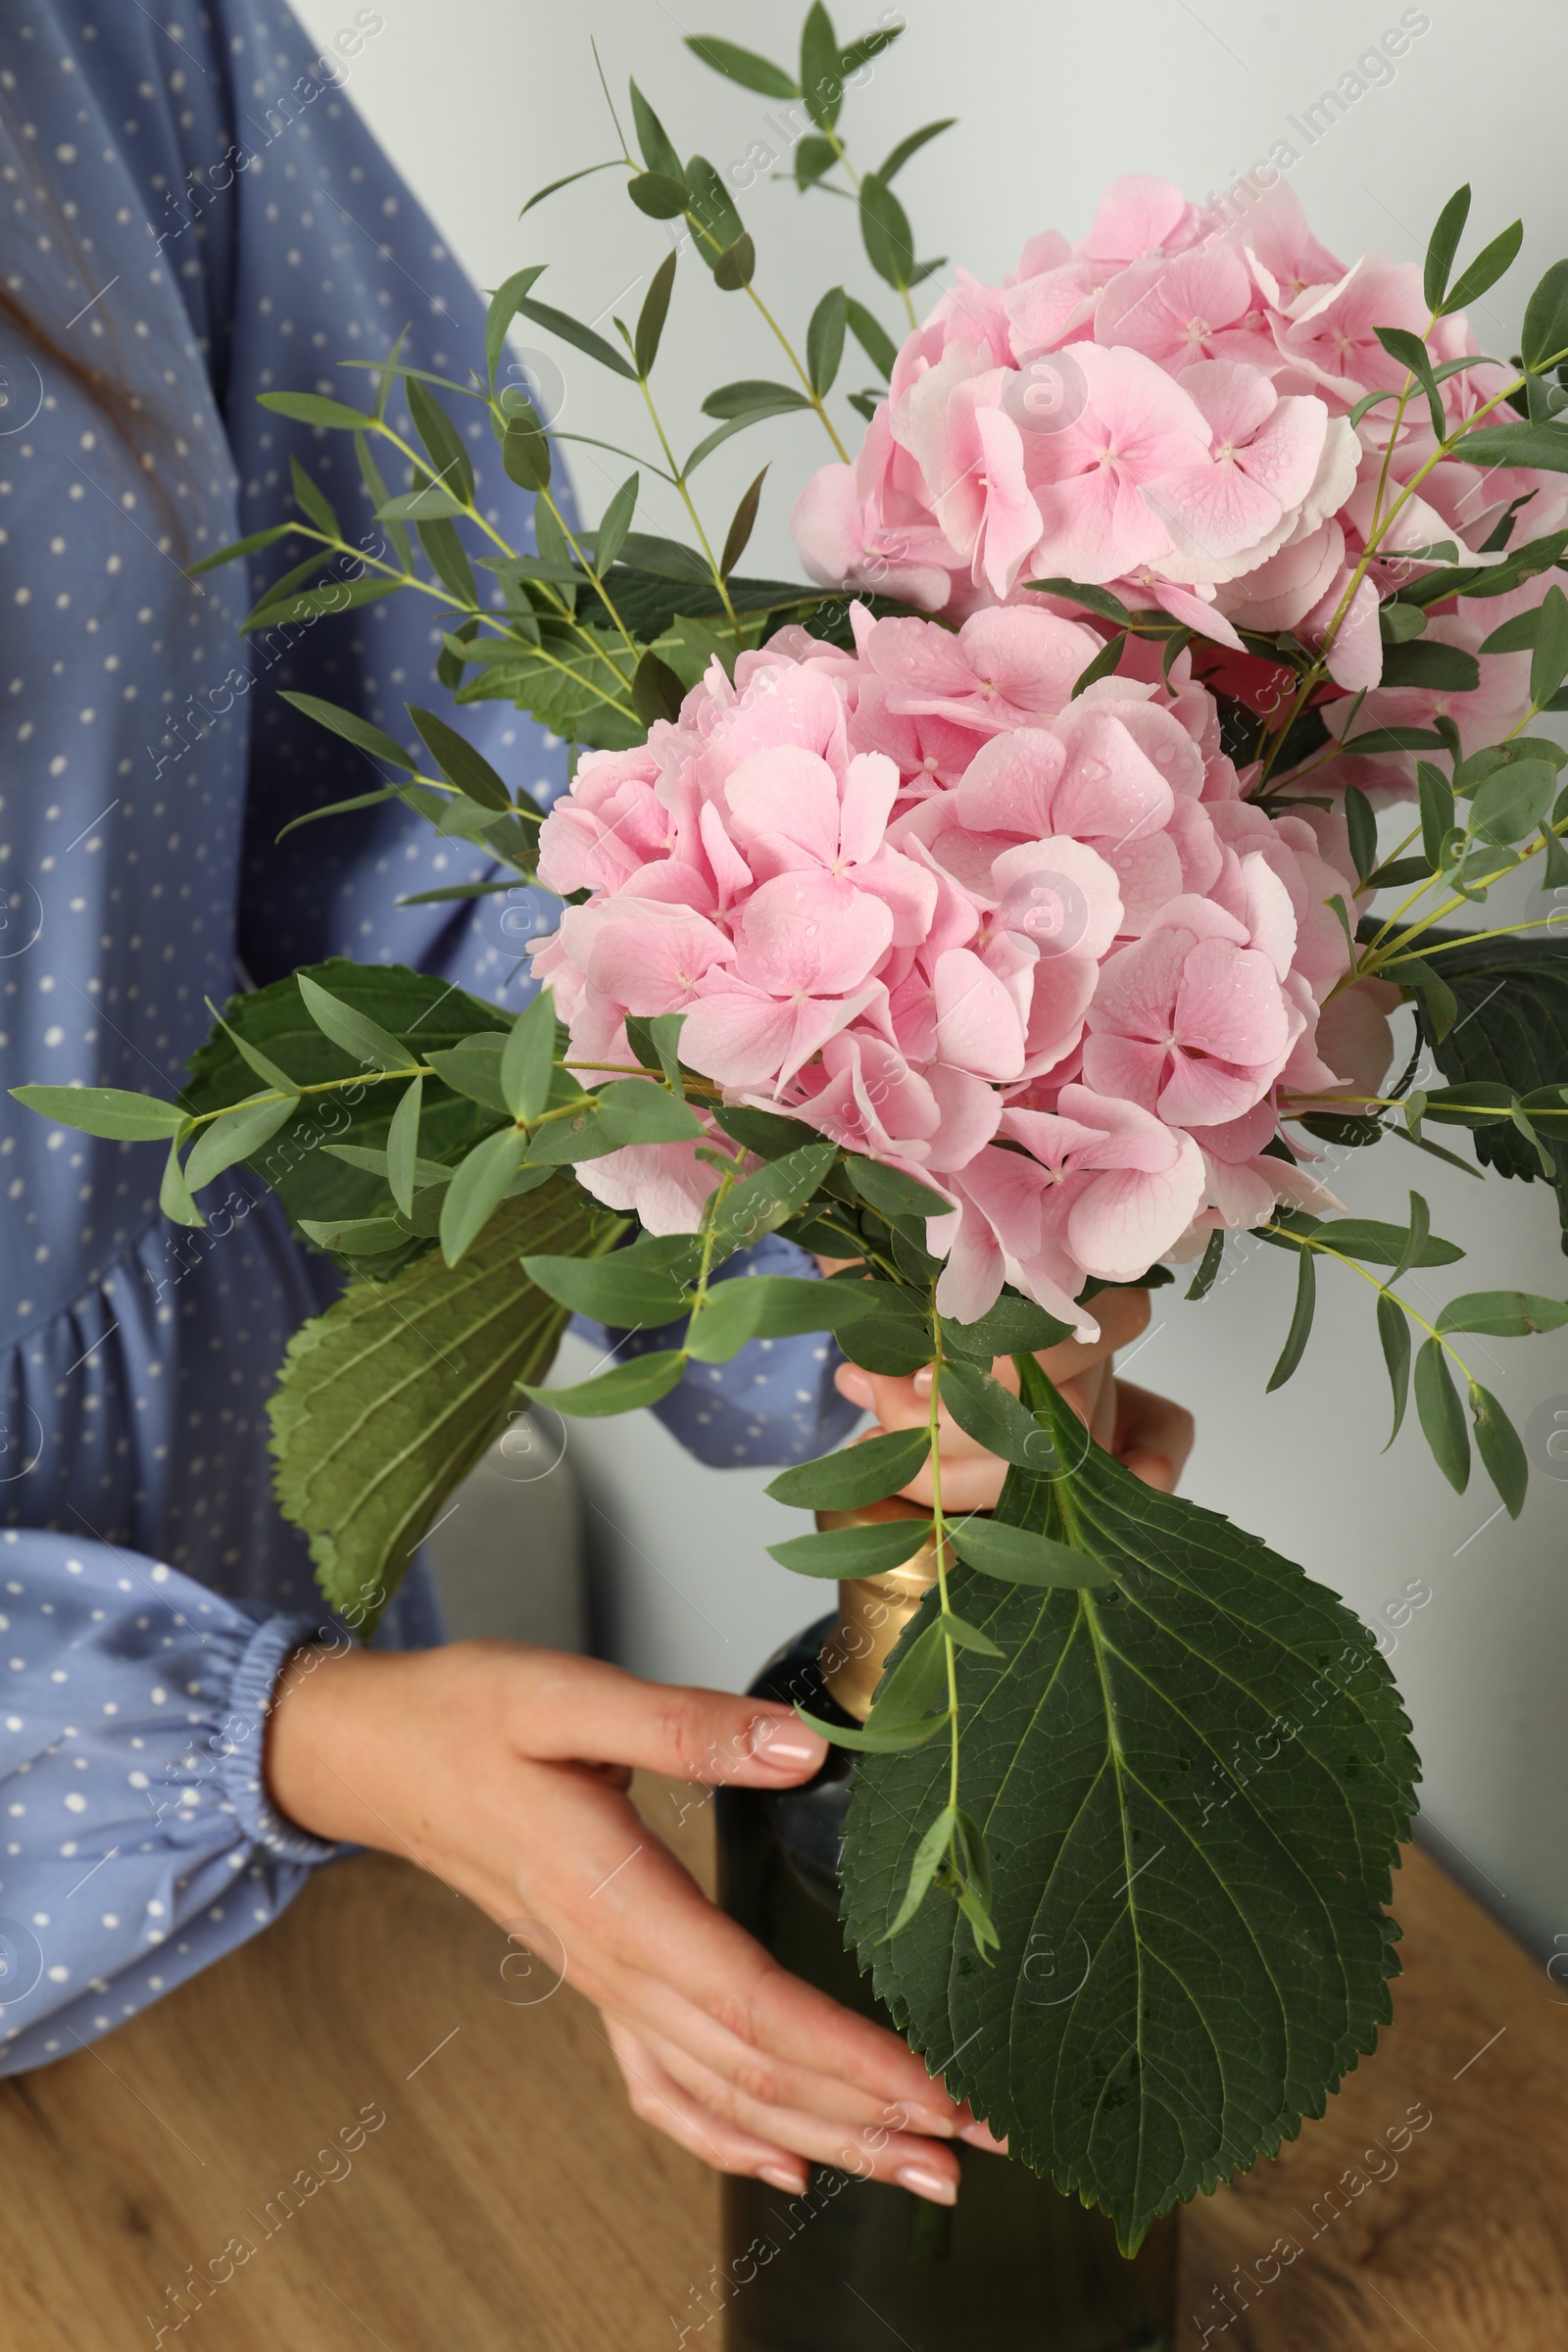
(1318, 670)
(1309, 1241)
(720, 581)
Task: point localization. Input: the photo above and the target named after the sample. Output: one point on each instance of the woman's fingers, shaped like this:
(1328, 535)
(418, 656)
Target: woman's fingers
(579, 1705)
(637, 1930)
(759, 2076)
(1153, 1437)
(877, 2149)
(659, 2099)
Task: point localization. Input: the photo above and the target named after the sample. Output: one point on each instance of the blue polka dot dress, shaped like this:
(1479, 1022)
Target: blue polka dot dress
(192, 208)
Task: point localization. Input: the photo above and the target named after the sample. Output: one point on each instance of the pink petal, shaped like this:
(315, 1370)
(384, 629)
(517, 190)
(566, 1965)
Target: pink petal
(1214, 511)
(1137, 213)
(809, 931)
(1282, 457)
(906, 889)
(784, 802)
(969, 1111)
(663, 1185)
(1235, 400)
(1229, 1005)
(1034, 659)
(1126, 1066)
(1006, 786)
(649, 957)
(978, 1025)
(1109, 789)
(1061, 894)
(1124, 1223)
(1010, 522)
(870, 788)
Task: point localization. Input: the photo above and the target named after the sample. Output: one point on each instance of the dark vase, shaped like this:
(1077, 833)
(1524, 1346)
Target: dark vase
(852, 2265)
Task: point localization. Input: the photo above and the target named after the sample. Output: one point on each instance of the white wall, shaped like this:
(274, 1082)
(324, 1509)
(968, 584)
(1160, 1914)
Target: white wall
(481, 105)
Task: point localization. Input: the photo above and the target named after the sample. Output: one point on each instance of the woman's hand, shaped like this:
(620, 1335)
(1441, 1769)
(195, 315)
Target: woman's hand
(503, 1770)
(1147, 1434)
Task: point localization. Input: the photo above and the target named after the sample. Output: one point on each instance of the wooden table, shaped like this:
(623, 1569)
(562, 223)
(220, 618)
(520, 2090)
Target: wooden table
(507, 2202)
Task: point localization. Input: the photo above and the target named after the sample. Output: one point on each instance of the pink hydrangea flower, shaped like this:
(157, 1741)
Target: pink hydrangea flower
(1170, 400)
(1031, 947)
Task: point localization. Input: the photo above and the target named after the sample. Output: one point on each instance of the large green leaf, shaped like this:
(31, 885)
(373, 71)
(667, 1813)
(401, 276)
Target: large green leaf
(388, 1399)
(1191, 1789)
(1512, 1029)
(307, 1178)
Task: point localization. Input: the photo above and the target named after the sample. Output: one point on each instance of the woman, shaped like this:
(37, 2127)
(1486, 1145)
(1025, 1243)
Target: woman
(194, 215)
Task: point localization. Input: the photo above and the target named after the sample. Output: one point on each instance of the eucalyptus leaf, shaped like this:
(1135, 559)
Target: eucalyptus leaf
(106, 1110)
(931, 1850)
(1441, 1414)
(1021, 1556)
(1545, 339)
(477, 1188)
(469, 770)
(1443, 247)
(848, 1552)
(770, 1196)
(636, 1110)
(893, 1193)
(621, 1291)
(1503, 1315)
(641, 1381)
(175, 1194)
(824, 340)
(655, 308)
(766, 1306)
(866, 1472)
(872, 337)
(310, 407)
(1394, 1334)
(868, 1738)
(996, 1419)
(1297, 1336)
(743, 66)
(234, 1136)
(527, 1059)
(354, 729)
(1502, 1455)
(355, 1032)
(582, 339)
(742, 526)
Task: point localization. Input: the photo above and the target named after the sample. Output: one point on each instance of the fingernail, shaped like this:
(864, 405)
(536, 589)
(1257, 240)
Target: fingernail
(981, 2135)
(938, 2122)
(853, 1384)
(924, 2181)
(922, 1380)
(780, 2176)
(781, 1745)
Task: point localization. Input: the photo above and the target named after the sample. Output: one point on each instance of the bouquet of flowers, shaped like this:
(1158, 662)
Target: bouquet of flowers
(1004, 916)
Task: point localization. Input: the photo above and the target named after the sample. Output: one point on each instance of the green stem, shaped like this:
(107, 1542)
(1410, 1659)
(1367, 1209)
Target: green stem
(1306, 1241)
(938, 1536)
(591, 569)
(701, 230)
(696, 522)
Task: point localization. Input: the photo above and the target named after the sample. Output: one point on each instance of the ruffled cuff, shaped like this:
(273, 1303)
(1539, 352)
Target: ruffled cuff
(239, 1771)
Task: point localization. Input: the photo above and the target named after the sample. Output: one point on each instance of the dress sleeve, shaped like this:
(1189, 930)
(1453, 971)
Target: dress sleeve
(335, 258)
(139, 1844)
